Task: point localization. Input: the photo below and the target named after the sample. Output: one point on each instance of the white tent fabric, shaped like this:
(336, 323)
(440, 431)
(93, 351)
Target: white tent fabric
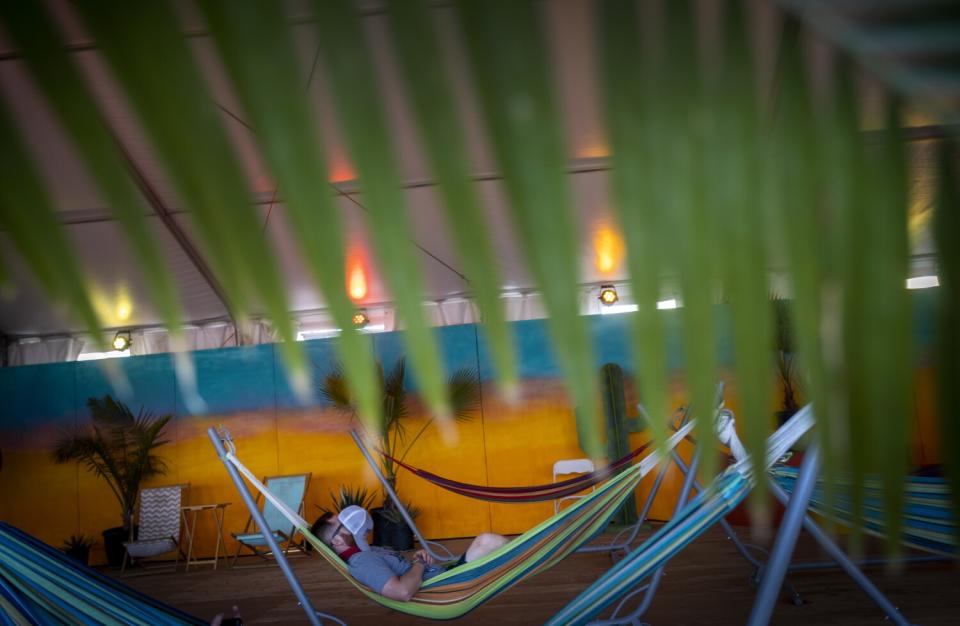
(48, 350)
(454, 311)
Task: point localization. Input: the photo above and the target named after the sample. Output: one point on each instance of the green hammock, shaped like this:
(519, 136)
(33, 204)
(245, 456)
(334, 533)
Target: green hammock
(456, 592)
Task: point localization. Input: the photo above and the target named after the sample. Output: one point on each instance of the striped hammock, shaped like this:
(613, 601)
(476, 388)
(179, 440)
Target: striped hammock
(40, 585)
(706, 509)
(456, 592)
(532, 493)
(928, 524)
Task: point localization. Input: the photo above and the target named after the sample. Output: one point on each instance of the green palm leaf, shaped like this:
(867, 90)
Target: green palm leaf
(358, 109)
(418, 47)
(143, 46)
(256, 43)
(510, 66)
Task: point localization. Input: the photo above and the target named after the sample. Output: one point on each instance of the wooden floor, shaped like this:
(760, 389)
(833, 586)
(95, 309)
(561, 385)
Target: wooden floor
(707, 583)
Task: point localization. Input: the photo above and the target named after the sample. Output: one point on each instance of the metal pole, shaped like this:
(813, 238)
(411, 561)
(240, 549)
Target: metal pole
(610, 547)
(664, 466)
(264, 529)
(843, 560)
(651, 588)
(396, 500)
(786, 539)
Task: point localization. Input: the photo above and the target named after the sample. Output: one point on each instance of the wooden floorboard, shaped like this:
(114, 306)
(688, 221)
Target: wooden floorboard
(707, 583)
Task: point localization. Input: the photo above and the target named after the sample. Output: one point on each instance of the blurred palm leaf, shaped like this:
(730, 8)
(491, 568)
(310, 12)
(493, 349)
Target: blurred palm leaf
(508, 57)
(713, 189)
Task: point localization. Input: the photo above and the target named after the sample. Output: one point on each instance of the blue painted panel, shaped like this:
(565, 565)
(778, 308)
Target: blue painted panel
(387, 349)
(458, 349)
(458, 346)
(35, 395)
(322, 358)
(610, 337)
(234, 379)
(925, 303)
(151, 378)
(535, 358)
(723, 327)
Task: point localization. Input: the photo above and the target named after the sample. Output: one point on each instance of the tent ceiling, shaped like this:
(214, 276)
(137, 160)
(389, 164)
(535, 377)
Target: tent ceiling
(111, 267)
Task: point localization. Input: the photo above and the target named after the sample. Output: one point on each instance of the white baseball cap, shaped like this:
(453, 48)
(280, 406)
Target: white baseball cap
(356, 519)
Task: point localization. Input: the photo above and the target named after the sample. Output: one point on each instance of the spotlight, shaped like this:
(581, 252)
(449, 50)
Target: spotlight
(121, 341)
(608, 295)
(360, 319)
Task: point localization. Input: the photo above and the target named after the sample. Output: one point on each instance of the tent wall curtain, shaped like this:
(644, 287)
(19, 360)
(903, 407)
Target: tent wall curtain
(37, 351)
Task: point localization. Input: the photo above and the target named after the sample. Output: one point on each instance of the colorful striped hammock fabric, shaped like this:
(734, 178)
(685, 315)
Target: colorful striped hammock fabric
(42, 586)
(458, 591)
(706, 509)
(928, 523)
(701, 513)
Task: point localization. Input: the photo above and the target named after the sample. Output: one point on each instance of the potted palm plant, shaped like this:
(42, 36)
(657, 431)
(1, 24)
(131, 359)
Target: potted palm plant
(78, 547)
(396, 439)
(119, 447)
(786, 364)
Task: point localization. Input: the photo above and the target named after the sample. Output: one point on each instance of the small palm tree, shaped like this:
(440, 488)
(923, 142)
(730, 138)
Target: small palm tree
(786, 364)
(463, 389)
(117, 446)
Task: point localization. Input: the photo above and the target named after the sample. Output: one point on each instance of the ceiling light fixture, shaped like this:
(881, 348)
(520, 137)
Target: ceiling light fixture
(121, 341)
(360, 319)
(608, 295)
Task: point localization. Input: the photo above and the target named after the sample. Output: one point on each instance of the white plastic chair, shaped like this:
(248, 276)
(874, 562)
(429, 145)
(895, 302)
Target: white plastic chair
(570, 466)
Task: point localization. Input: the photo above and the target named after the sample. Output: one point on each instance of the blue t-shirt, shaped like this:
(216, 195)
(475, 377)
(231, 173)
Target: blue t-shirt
(376, 566)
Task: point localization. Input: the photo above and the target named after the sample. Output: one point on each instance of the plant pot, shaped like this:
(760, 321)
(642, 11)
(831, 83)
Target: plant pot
(389, 533)
(783, 416)
(113, 539)
(81, 554)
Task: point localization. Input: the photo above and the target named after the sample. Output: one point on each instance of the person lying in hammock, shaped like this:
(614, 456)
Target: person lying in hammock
(385, 571)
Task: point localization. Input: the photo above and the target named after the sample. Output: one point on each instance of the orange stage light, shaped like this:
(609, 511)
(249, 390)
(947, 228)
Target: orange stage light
(609, 250)
(357, 282)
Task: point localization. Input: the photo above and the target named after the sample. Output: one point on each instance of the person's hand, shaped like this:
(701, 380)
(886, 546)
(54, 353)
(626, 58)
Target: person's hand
(424, 557)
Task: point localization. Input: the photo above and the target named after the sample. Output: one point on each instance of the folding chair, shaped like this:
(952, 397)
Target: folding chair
(566, 467)
(290, 489)
(159, 525)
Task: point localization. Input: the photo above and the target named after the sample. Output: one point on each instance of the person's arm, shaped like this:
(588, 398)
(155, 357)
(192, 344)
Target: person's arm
(403, 587)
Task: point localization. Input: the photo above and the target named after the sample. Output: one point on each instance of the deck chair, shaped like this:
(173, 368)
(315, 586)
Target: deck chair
(42, 585)
(460, 590)
(159, 525)
(290, 489)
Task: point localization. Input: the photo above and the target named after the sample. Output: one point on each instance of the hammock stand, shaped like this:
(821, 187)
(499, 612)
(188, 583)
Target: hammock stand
(524, 495)
(624, 580)
(312, 614)
(454, 593)
(771, 575)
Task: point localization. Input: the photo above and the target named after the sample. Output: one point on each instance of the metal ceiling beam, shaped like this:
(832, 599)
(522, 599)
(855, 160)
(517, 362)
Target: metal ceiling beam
(174, 228)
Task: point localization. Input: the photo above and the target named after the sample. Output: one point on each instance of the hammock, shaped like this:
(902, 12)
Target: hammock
(41, 585)
(531, 493)
(928, 523)
(456, 592)
(708, 508)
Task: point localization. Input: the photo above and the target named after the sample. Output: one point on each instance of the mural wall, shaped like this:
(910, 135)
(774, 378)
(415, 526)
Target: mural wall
(245, 391)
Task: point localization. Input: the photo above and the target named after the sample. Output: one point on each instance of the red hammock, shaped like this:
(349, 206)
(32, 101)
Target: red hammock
(534, 493)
